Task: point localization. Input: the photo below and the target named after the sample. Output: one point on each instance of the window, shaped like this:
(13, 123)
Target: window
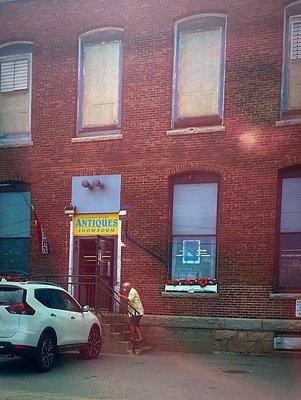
(199, 71)
(289, 238)
(100, 82)
(57, 299)
(70, 303)
(10, 295)
(291, 102)
(14, 227)
(194, 226)
(15, 92)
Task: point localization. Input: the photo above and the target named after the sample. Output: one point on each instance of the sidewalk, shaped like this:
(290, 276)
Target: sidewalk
(156, 376)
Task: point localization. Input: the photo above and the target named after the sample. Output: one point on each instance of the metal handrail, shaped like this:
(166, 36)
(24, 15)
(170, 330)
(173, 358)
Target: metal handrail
(102, 285)
(103, 282)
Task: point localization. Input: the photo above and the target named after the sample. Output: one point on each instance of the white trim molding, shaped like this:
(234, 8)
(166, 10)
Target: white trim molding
(192, 130)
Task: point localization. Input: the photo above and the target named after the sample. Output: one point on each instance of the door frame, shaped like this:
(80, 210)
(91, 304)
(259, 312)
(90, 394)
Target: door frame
(73, 267)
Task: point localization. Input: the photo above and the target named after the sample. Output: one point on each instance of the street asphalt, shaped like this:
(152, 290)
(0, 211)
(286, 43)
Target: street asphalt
(157, 376)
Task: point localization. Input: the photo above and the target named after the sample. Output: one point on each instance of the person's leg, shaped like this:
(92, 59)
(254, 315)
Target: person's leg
(132, 330)
(137, 322)
(140, 338)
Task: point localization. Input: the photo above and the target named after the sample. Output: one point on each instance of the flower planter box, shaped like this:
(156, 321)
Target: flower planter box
(191, 288)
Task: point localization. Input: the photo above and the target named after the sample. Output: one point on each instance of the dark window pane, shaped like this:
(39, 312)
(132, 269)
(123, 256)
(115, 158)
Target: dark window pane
(193, 257)
(50, 298)
(10, 296)
(290, 260)
(70, 304)
(14, 254)
(291, 205)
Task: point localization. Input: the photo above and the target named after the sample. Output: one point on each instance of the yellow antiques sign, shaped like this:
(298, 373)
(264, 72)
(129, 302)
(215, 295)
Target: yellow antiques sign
(95, 224)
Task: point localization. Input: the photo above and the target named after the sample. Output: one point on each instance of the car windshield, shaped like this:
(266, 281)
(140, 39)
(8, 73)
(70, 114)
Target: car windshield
(10, 295)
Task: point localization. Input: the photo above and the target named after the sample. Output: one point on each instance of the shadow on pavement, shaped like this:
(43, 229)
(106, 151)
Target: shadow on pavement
(18, 366)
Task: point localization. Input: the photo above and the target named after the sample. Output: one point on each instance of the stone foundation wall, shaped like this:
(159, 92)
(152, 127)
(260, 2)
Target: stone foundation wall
(201, 334)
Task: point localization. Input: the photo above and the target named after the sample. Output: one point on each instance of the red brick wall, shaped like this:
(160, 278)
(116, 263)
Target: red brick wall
(247, 156)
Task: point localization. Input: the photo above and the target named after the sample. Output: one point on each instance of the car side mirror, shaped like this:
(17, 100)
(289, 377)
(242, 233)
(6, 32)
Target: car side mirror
(86, 308)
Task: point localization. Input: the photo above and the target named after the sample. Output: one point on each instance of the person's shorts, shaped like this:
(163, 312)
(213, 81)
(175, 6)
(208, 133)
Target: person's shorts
(135, 320)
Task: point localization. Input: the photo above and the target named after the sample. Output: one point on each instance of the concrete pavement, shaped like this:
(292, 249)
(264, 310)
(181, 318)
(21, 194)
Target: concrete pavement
(164, 376)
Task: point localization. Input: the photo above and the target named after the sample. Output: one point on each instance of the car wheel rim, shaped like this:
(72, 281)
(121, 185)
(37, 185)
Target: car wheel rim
(94, 343)
(47, 353)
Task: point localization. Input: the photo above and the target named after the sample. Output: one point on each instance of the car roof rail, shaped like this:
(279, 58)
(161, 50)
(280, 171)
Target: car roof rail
(12, 278)
(45, 283)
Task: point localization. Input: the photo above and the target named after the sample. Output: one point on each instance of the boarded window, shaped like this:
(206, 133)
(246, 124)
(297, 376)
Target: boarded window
(101, 84)
(199, 68)
(14, 95)
(199, 73)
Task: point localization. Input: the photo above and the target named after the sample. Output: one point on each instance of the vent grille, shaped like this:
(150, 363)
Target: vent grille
(14, 75)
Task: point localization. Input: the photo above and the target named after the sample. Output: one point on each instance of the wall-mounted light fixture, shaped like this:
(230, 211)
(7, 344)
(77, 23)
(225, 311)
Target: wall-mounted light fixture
(91, 185)
(70, 210)
(96, 182)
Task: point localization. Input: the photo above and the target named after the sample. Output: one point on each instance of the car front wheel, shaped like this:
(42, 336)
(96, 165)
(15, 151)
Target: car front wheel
(45, 353)
(92, 348)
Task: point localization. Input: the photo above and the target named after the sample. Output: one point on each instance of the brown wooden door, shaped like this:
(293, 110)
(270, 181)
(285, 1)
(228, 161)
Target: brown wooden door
(105, 269)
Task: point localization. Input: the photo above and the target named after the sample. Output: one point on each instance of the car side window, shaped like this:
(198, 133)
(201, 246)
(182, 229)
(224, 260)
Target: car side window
(70, 304)
(50, 298)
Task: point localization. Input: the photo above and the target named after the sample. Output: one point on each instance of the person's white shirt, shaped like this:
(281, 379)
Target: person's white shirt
(135, 301)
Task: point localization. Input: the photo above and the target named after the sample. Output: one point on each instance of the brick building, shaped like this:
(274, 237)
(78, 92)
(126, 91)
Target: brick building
(185, 114)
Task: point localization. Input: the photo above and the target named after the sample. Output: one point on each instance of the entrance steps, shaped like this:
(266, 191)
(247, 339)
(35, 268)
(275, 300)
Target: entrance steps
(115, 342)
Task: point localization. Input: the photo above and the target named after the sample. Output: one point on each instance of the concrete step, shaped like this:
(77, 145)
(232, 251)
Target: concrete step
(115, 337)
(114, 319)
(107, 329)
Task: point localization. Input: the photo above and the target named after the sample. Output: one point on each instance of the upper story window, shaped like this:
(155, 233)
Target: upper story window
(289, 236)
(291, 102)
(199, 70)
(194, 226)
(100, 81)
(15, 91)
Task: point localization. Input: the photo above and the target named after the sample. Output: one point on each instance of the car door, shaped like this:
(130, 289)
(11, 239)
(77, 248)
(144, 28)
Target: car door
(77, 325)
(55, 313)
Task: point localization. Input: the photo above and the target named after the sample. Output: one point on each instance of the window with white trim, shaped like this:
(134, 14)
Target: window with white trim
(199, 71)
(194, 226)
(291, 102)
(100, 81)
(15, 91)
(289, 230)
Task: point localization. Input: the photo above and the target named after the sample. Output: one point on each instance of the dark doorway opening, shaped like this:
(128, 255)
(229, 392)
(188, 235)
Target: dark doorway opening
(97, 260)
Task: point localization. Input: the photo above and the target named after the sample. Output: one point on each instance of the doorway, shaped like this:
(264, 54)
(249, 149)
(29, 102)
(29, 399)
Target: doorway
(96, 259)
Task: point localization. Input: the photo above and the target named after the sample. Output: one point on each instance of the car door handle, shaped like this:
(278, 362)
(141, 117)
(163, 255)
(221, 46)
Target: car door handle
(72, 317)
(52, 315)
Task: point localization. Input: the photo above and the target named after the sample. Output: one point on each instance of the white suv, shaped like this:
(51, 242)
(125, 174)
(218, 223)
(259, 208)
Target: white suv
(39, 319)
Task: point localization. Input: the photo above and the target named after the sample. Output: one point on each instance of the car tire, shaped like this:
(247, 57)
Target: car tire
(45, 353)
(92, 348)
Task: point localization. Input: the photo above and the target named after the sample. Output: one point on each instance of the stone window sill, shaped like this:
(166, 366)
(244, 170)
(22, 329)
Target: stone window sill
(16, 143)
(286, 122)
(292, 296)
(112, 135)
(196, 130)
(190, 295)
